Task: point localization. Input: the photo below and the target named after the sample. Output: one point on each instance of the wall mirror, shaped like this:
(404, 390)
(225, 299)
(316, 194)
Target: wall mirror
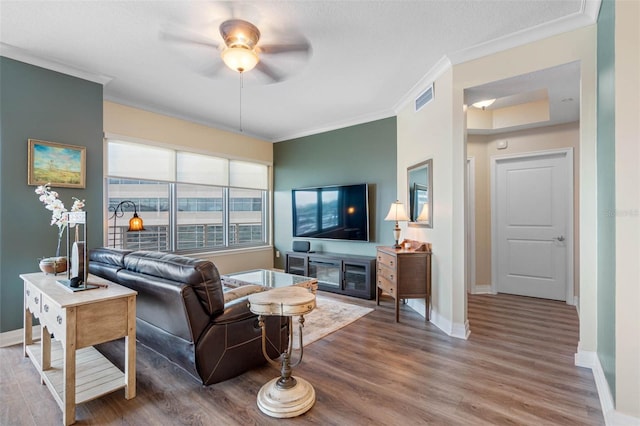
(420, 190)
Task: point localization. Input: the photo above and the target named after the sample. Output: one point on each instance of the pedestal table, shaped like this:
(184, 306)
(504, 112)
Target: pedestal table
(287, 395)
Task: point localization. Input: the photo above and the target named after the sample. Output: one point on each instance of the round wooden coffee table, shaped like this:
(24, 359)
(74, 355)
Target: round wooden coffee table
(285, 396)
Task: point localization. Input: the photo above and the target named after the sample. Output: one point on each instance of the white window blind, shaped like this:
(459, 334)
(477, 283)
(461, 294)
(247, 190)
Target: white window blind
(141, 161)
(189, 201)
(202, 169)
(248, 175)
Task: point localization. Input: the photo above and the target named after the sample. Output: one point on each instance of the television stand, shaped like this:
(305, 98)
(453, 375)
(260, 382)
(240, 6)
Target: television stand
(347, 274)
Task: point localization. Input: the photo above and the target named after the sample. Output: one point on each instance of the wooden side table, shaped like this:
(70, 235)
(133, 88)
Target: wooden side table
(404, 273)
(72, 369)
(285, 396)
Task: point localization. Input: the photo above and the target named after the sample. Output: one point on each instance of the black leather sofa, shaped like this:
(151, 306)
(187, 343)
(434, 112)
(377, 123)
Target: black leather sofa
(185, 314)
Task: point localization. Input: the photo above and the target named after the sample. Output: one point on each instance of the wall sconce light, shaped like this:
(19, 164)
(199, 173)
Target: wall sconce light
(135, 223)
(397, 213)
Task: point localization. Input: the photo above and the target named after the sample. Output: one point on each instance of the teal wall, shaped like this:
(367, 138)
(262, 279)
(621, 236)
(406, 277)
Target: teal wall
(41, 104)
(606, 194)
(365, 153)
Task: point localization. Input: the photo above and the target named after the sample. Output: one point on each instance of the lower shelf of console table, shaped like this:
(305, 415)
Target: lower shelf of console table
(95, 375)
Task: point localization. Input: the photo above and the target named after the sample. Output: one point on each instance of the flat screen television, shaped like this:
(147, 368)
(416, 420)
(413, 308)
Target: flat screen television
(337, 212)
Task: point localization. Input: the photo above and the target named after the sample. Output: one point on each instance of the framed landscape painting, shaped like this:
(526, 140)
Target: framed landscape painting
(56, 163)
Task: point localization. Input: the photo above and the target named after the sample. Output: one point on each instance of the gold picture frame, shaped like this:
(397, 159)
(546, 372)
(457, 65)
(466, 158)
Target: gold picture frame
(59, 164)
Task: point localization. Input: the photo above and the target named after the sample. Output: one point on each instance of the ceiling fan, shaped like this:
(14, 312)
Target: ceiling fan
(241, 51)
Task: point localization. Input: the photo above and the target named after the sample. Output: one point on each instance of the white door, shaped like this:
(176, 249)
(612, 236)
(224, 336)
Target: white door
(533, 201)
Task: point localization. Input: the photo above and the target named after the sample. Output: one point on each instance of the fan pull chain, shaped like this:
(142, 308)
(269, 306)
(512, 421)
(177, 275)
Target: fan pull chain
(241, 84)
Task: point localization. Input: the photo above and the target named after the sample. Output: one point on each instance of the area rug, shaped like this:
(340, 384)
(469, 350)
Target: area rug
(328, 316)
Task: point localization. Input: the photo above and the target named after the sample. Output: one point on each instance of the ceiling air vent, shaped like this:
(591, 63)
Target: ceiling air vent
(424, 98)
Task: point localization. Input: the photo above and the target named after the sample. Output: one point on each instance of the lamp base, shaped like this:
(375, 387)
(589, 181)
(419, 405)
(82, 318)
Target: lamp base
(396, 236)
(275, 401)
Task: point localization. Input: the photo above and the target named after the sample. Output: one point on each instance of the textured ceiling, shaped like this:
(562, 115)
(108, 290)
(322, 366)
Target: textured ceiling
(367, 57)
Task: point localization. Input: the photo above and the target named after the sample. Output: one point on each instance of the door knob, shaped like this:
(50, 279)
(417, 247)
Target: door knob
(560, 238)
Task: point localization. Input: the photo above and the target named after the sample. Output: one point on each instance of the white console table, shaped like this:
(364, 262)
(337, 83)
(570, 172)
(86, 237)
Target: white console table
(72, 369)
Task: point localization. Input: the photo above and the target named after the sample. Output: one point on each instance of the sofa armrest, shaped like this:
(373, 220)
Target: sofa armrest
(242, 291)
(236, 307)
(237, 310)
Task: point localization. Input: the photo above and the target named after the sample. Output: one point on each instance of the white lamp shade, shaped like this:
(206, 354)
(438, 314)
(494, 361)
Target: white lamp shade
(397, 212)
(424, 214)
(240, 59)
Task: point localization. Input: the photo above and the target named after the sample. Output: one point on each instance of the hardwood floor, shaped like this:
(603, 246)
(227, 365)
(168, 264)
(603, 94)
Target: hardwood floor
(516, 368)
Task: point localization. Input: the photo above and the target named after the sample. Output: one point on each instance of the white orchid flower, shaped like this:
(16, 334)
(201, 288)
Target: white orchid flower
(52, 203)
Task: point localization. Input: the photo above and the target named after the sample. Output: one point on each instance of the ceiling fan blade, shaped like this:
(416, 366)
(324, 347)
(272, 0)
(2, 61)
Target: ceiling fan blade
(302, 47)
(213, 70)
(193, 40)
(269, 72)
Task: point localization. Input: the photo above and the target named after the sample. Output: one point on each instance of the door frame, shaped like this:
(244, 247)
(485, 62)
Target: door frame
(568, 157)
(470, 238)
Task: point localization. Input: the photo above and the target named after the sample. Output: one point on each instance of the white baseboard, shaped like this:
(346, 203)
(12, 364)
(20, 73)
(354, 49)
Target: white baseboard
(440, 321)
(460, 331)
(612, 417)
(586, 359)
(590, 360)
(15, 337)
(482, 289)
(576, 303)
(616, 418)
(572, 301)
(457, 330)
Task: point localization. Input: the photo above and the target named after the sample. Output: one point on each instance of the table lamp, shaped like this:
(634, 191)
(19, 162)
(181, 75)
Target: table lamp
(397, 213)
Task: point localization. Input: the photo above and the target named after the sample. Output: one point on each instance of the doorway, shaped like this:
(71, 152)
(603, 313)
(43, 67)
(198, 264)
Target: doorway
(470, 237)
(532, 224)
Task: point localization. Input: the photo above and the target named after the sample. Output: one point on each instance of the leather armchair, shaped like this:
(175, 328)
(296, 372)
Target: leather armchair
(185, 314)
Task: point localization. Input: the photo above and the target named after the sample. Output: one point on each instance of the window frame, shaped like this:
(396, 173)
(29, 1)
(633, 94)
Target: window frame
(173, 231)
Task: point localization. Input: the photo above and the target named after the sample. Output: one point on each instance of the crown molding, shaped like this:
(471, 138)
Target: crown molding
(354, 121)
(280, 138)
(161, 111)
(588, 15)
(25, 56)
(591, 8)
(432, 75)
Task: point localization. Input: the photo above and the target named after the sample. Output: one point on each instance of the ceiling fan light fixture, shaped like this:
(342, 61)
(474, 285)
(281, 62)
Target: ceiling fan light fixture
(236, 32)
(240, 59)
(483, 104)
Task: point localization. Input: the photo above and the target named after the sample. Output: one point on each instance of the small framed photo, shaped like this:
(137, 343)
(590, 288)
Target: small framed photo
(56, 163)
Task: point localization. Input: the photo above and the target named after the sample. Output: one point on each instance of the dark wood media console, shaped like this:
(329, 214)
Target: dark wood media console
(348, 274)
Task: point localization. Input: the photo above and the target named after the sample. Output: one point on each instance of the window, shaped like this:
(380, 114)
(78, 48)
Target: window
(189, 202)
(196, 222)
(245, 216)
